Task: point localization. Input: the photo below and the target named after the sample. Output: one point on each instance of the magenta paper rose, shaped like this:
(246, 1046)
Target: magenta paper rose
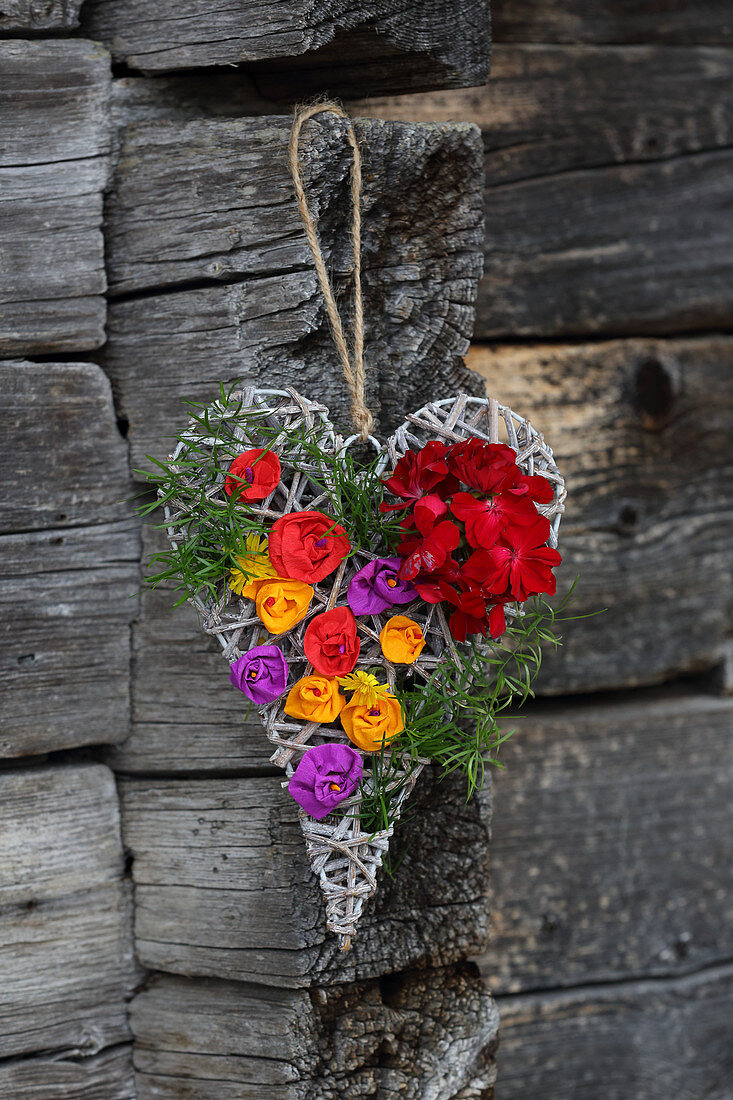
(377, 586)
(325, 776)
(261, 673)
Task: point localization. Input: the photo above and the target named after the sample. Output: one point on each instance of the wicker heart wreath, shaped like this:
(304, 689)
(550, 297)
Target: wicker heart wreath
(256, 457)
(380, 612)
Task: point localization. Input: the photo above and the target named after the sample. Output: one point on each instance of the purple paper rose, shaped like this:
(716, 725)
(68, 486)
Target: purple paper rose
(325, 776)
(377, 587)
(261, 673)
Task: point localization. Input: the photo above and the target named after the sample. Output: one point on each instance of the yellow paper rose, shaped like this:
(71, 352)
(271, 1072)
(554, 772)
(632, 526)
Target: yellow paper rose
(315, 699)
(402, 640)
(281, 604)
(254, 567)
(371, 727)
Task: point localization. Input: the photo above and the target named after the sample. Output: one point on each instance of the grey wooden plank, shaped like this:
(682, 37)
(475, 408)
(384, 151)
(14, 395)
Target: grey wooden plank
(671, 22)
(555, 108)
(64, 461)
(611, 850)
(212, 856)
(70, 569)
(39, 15)
(637, 248)
(648, 524)
(105, 1076)
(369, 45)
(421, 245)
(66, 953)
(52, 278)
(233, 1040)
(644, 1040)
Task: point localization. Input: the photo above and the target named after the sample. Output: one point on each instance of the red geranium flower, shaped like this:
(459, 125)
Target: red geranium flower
(488, 467)
(521, 562)
(331, 643)
(432, 543)
(533, 487)
(253, 475)
(439, 585)
(486, 519)
(307, 546)
(469, 616)
(418, 473)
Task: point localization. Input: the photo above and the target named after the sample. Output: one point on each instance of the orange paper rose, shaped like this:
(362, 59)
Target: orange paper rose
(315, 699)
(281, 604)
(369, 727)
(402, 640)
(307, 546)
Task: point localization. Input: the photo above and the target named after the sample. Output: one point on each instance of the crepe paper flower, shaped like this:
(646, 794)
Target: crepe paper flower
(307, 546)
(402, 640)
(418, 473)
(261, 673)
(488, 467)
(366, 687)
(430, 546)
(377, 586)
(372, 727)
(486, 519)
(254, 567)
(520, 563)
(331, 643)
(315, 699)
(325, 776)
(282, 603)
(253, 475)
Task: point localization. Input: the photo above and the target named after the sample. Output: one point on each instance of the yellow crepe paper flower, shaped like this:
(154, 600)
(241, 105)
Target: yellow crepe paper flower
(371, 727)
(402, 640)
(315, 699)
(365, 686)
(281, 604)
(254, 567)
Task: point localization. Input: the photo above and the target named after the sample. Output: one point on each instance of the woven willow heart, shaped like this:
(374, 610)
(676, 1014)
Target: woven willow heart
(345, 858)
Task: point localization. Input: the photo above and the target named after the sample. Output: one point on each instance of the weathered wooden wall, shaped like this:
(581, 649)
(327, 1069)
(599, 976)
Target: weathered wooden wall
(604, 312)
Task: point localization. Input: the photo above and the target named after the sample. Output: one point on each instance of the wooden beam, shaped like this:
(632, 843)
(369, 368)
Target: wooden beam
(641, 1039)
(39, 15)
(53, 169)
(645, 449)
(610, 852)
(422, 238)
(65, 947)
(665, 21)
(210, 856)
(232, 1040)
(70, 561)
(105, 1076)
(359, 49)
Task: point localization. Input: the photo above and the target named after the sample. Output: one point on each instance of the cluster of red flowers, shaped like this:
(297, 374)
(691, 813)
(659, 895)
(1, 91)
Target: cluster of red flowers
(472, 534)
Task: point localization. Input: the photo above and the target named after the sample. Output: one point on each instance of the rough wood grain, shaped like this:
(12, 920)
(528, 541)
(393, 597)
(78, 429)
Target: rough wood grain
(70, 569)
(227, 1041)
(106, 1076)
(421, 247)
(553, 109)
(39, 15)
(616, 250)
(672, 22)
(211, 856)
(52, 278)
(370, 45)
(66, 956)
(611, 852)
(644, 1040)
(641, 431)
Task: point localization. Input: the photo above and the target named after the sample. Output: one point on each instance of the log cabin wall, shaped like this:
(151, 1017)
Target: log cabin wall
(149, 247)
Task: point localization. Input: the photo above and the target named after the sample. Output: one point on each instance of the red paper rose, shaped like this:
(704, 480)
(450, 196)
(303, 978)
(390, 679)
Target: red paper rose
(253, 475)
(307, 546)
(331, 643)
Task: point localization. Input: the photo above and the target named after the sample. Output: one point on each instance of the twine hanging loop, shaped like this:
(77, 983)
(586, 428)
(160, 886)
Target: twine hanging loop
(351, 361)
